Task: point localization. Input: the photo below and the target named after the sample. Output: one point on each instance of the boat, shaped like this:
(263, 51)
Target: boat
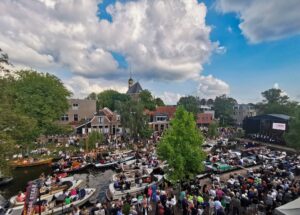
(132, 175)
(114, 193)
(74, 169)
(5, 180)
(47, 193)
(110, 163)
(30, 162)
(54, 209)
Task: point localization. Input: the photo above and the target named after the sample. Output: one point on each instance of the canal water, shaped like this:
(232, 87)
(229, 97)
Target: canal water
(92, 178)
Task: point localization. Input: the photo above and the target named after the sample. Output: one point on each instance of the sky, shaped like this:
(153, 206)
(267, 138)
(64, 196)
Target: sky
(173, 48)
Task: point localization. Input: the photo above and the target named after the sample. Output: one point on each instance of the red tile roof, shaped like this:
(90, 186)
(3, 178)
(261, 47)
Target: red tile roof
(168, 110)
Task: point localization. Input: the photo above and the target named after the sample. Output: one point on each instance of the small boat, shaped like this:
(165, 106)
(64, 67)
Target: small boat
(114, 193)
(54, 209)
(107, 163)
(132, 175)
(74, 169)
(30, 162)
(5, 180)
(67, 183)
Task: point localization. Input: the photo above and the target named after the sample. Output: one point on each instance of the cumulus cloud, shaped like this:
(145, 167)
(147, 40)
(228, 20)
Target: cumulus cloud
(159, 39)
(165, 40)
(81, 87)
(210, 87)
(264, 20)
(171, 98)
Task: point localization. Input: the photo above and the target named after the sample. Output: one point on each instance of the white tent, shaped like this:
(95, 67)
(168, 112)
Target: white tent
(291, 208)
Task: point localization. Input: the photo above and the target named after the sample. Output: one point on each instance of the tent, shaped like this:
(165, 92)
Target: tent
(291, 208)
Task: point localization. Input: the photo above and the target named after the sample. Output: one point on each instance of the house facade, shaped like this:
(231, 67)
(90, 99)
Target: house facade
(204, 119)
(105, 121)
(159, 119)
(242, 111)
(79, 110)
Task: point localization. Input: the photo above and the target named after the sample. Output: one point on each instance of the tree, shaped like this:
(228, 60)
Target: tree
(134, 119)
(223, 106)
(41, 97)
(276, 101)
(159, 102)
(92, 96)
(292, 137)
(93, 138)
(190, 104)
(212, 130)
(181, 147)
(110, 98)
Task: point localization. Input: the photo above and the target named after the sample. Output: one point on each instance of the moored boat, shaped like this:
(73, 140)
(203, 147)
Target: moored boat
(5, 180)
(52, 207)
(47, 192)
(30, 162)
(112, 162)
(115, 193)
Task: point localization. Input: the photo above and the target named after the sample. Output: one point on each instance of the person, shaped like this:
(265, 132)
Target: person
(20, 197)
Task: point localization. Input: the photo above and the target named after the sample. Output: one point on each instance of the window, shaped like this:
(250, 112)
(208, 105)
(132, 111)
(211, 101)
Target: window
(75, 106)
(65, 117)
(101, 120)
(75, 117)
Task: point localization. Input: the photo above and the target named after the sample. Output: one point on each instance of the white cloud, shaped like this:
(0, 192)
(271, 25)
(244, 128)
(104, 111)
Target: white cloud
(265, 20)
(162, 40)
(276, 86)
(159, 39)
(170, 98)
(210, 87)
(81, 87)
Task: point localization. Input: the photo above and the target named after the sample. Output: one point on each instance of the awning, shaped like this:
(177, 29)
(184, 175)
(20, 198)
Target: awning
(291, 208)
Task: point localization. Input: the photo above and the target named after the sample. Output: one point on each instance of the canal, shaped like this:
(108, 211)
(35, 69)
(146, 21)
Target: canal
(92, 178)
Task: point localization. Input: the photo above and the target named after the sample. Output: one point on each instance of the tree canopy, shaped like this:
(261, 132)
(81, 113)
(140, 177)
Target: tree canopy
(292, 137)
(212, 130)
(223, 106)
(181, 147)
(134, 119)
(108, 98)
(190, 104)
(276, 101)
(40, 96)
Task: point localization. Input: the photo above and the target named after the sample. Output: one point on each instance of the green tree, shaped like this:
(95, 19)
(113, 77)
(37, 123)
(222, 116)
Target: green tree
(275, 101)
(292, 137)
(159, 102)
(223, 106)
(110, 99)
(147, 100)
(92, 96)
(190, 104)
(41, 97)
(181, 147)
(134, 119)
(212, 130)
(93, 138)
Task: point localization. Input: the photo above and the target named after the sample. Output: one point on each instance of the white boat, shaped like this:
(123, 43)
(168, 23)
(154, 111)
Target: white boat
(112, 163)
(130, 175)
(75, 184)
(113, 194)
(58, 209)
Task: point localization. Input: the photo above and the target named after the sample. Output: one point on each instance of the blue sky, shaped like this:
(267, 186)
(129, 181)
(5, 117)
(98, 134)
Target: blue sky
(248, 68)
(172, 47)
